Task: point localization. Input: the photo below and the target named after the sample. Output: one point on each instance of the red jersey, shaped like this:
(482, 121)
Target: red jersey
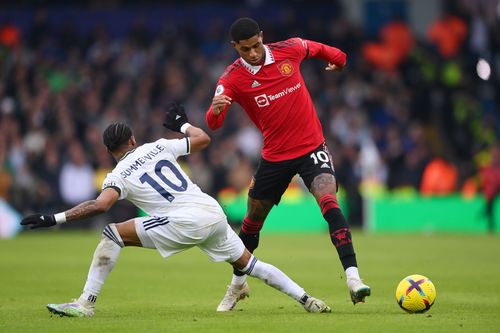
(276, 98)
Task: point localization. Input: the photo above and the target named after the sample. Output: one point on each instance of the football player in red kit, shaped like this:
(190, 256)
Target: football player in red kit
(266, 81)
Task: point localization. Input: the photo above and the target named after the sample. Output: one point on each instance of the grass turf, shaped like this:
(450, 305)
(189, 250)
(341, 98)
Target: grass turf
(147, 294)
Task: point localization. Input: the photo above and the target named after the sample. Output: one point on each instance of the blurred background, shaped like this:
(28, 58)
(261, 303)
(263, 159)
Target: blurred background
(412, 123)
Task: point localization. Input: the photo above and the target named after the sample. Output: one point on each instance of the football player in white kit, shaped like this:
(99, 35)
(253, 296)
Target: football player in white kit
(180, 215)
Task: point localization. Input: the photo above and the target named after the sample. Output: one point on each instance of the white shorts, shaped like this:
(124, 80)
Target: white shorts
(215, 238)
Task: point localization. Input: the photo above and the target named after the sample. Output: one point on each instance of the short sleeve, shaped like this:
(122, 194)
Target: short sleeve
(116, 183)
(177, 147)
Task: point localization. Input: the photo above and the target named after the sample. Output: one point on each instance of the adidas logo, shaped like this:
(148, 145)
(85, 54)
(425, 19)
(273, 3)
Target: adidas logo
(255, 84)
(325, 165)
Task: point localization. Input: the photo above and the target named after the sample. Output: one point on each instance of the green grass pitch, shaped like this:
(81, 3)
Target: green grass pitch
(147, 294)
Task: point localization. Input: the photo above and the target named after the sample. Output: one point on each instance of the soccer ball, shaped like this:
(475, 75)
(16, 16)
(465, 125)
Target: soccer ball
(415, 294)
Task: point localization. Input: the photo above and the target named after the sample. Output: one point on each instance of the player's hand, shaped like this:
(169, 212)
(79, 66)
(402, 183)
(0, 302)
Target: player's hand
(175, 117)
(219, 102)
(333, 67)
(39, 221)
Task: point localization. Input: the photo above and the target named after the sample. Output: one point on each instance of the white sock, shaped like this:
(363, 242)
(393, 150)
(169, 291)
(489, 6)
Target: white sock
(352, 273)
(273, 277)
(238, 280)
(105, 257)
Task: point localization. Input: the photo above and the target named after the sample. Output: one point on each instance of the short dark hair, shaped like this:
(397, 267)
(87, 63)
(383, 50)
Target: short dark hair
(116, 135)
(244, 28)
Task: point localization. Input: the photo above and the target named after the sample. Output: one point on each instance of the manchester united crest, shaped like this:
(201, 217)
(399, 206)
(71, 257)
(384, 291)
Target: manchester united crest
(285, 68)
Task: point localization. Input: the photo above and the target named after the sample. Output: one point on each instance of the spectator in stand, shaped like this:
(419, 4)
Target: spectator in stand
(439, 178)
(76, 179)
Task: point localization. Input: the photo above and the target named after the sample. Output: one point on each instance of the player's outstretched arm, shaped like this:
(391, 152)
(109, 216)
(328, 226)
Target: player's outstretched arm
(198, 138)
(336, 58)
(89, 208)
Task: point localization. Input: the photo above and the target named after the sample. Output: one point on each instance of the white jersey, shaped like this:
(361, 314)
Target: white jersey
(150, 177)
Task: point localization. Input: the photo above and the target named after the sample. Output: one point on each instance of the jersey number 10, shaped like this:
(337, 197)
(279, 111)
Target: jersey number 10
(145, 178)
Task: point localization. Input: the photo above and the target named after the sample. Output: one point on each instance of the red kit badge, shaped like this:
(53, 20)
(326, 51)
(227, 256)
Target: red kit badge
(285, 68)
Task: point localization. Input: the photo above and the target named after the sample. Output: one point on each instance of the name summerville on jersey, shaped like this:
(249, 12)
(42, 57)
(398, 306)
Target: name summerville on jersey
(141, 161)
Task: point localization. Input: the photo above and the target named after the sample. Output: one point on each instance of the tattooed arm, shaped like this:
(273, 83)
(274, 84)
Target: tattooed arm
(104, 201)
(89, 208)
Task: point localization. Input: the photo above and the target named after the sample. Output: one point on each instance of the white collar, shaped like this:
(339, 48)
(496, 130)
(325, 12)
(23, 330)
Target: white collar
(254, 69)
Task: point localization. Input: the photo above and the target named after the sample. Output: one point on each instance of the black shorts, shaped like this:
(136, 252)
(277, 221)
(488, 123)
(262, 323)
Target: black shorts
(272, 178)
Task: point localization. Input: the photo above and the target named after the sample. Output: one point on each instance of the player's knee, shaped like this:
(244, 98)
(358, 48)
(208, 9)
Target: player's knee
(128, 233)
(323, 184)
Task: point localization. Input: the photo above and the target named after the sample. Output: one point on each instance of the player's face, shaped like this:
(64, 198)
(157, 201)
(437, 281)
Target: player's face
(251, 49)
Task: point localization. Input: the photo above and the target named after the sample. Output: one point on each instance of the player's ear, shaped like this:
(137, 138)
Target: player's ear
(261, 36)
(132, 141)
(233, 44)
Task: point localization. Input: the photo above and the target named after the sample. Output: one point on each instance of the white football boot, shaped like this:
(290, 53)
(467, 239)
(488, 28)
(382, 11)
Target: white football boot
(74, 309)
(358, 290)
(232, 296)
(315, 305)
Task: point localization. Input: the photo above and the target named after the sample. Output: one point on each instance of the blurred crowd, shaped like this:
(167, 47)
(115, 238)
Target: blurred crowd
(414, 116)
